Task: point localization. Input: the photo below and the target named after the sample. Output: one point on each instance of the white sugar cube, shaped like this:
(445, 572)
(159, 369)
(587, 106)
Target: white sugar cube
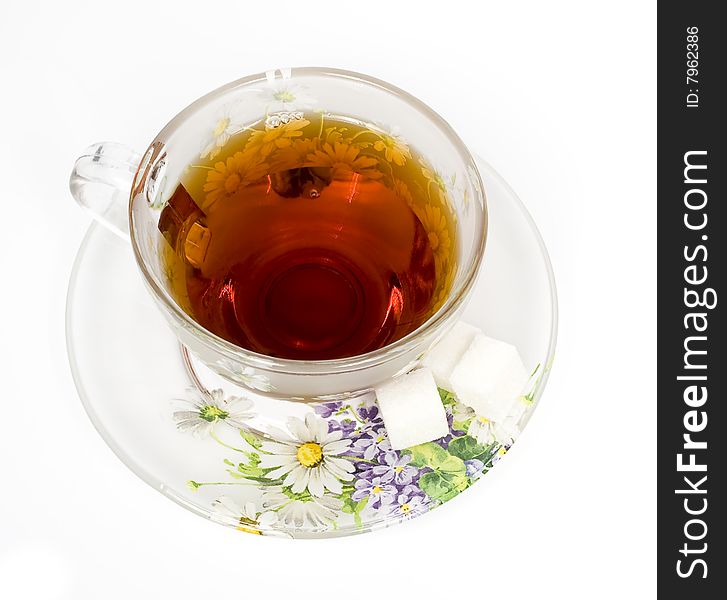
(444, 356)
(489, 377)
(412, 410)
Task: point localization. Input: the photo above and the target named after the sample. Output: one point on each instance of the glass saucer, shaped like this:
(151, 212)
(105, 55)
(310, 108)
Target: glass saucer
(245, 460)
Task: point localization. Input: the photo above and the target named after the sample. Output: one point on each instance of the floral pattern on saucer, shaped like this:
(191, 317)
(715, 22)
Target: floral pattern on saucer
(335, 469)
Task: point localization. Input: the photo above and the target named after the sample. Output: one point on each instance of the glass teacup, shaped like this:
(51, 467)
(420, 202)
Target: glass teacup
(108, 178)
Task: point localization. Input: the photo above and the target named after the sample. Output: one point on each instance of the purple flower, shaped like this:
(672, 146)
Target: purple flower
(364, 470)
(346, 426)
(450, 420)
(412, 490)
(327, 409)
(369, 413)
(409, 506)
(444, 441)
(371, 444)
(474, 467)
(396, 468)
(379, 493)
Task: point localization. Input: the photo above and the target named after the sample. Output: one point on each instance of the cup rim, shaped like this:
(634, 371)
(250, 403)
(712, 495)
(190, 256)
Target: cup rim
(337, 365)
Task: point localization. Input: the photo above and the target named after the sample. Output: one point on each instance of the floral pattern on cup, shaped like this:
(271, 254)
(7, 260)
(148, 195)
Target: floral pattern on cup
(335, 468)
(200, 412)
(285, 96)
(287, 137)
(247, 376)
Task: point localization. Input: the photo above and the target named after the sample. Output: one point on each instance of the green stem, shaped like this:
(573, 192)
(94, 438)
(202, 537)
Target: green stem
(320, 131)
(213, 435)
(253, 478)
(431, 183)
(366, 460)
(198, 484)
(531, 394)
(365, 131)
(391, 169)
(355, 416)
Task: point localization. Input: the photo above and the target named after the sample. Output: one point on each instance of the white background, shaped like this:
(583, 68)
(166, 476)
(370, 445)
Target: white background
(558, 96)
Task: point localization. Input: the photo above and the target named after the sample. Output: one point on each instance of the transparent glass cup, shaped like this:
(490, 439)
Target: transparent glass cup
(126, 192)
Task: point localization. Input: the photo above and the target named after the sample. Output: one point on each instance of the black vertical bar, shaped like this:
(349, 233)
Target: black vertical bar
(692, 362)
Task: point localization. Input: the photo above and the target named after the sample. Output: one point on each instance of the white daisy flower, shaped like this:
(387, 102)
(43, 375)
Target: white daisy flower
(394, 146)
(229, 123)
(309, 458)
(286, 96)
(247, 376)
(205, 409)
(317, 512)
(434, 176)
(486, 431)
(509, 429)
(461, 412)
(245, 517)
(483, 430)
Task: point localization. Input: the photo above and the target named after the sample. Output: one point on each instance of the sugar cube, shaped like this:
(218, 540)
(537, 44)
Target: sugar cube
(412, 410)
(444, 356)
(489, 377)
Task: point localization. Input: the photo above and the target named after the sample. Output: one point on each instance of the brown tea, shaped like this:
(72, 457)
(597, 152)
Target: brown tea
(310, 240)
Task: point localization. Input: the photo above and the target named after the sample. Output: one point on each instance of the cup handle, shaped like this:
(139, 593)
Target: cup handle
(101, 183)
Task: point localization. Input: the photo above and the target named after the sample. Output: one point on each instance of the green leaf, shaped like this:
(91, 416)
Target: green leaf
(453, 464)
(349, 505)
(361, 504)
(437, 458)
(346, 490)
(467, 448)
(491, 451)
(252, 439)
(443, 486)
(424, 455)
(446, 396)
(261, 480)
(448, 476)
(461, 425)
(251, 470)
